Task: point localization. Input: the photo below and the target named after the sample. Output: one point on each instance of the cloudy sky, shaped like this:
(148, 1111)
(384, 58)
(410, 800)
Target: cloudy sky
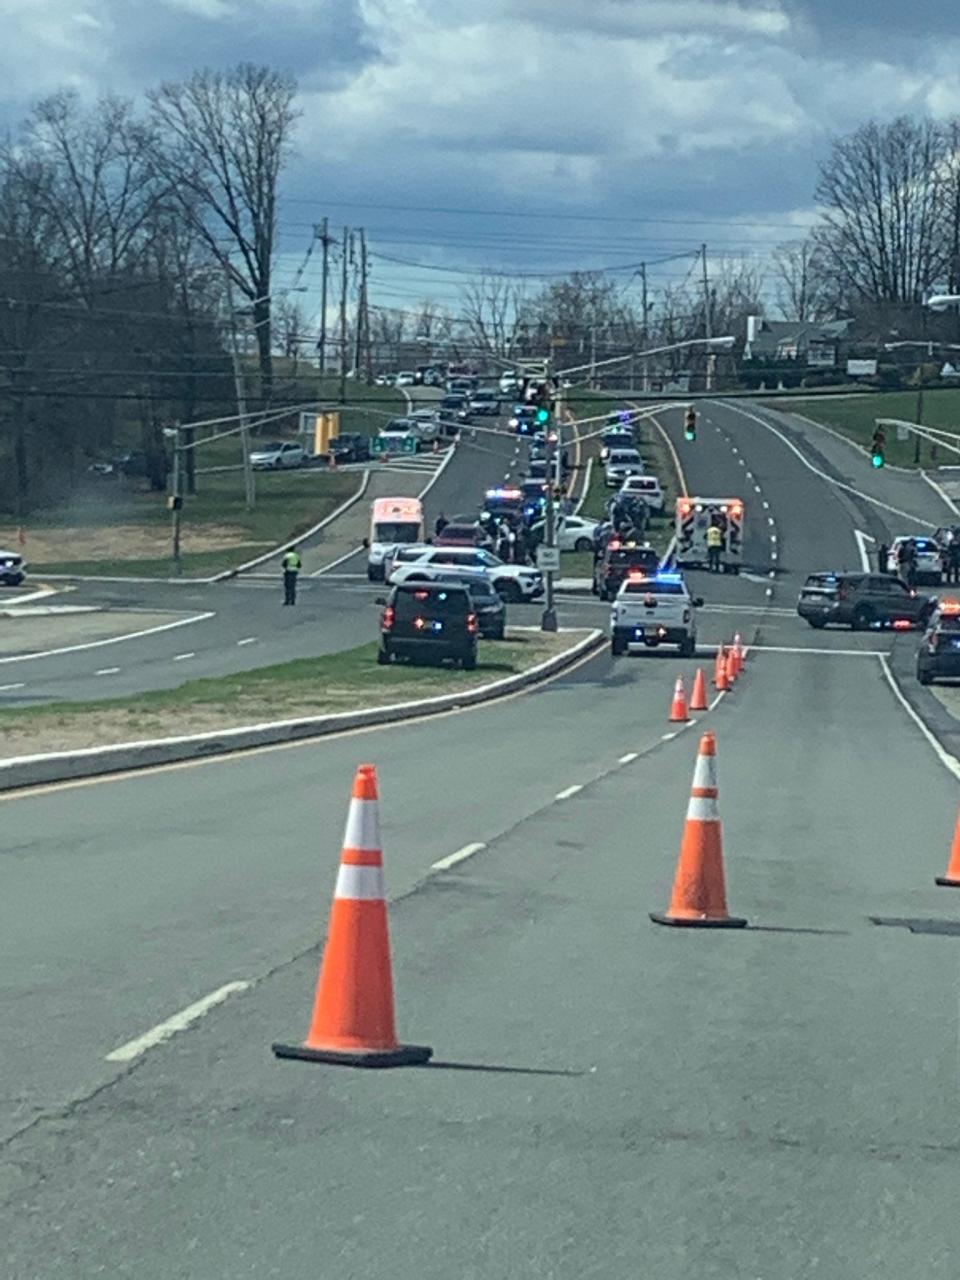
(533, 135)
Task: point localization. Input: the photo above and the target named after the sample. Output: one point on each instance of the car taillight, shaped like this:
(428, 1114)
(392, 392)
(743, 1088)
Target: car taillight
(471, 624)
(386, 622)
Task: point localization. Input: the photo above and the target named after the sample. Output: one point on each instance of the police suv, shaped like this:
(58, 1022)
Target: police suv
(653, 610)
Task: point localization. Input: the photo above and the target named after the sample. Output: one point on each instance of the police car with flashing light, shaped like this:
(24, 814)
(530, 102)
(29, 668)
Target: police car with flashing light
(651, 610)
(938, 657)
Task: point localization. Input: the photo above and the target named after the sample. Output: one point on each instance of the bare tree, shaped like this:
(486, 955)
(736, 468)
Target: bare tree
(223, 138)
(492, 305)
(882, 193)
(797, 283)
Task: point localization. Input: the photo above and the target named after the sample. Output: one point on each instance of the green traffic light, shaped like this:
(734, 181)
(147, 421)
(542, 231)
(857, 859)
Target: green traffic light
(877, 459)
(689, 435)
(543, 416)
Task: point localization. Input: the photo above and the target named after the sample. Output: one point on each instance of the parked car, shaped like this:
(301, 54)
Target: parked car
(617, 561)
(279, 455)
(574, 533)
(938, 657)
(485, 401)
(490, 608)
(350, 446)
(427, 422)
(399, 429)
(13, 568)
(405, 378)
(862, 601)
(456, 405)
(616, 438)
(929, 562)
(620, 464)
(463, 533)
(430, 622)
(646, 488)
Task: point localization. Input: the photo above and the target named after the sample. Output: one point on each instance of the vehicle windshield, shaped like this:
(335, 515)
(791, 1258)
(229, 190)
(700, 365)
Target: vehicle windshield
(396, 531)
(436, 604)
(633, 556)
(624, 456)
(822, 581)
(949, 622)
(275, 447)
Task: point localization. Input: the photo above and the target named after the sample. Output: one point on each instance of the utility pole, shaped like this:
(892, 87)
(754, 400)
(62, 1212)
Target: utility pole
(707, 321)
(322, 232)
(176, 501)
(554, 460)
(361, 304)
(343, 318)
(643, 300)
(364, 276)
(248, 480)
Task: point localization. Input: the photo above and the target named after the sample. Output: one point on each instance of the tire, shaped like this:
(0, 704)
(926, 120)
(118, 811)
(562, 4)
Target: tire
(469, 663)
(383, 657)
(863, 618)
(617, 647)
(498, 634)
(371, 574)
(924, 677)
(688, 647)
(817, 623)
(508, 590)
(583, 544)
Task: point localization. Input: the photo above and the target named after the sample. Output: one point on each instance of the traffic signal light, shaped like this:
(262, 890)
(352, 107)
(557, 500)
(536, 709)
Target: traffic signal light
(543, 416)
(690, 424)
(878, 448)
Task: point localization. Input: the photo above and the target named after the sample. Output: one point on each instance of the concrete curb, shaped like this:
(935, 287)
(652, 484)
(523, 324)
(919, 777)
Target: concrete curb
(296, 542)
(29, 771)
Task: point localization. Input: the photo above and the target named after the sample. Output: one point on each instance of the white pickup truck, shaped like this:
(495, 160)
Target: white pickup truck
(652, 610)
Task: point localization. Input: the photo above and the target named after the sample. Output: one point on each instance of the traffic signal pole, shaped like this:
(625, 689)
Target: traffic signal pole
(548, 621)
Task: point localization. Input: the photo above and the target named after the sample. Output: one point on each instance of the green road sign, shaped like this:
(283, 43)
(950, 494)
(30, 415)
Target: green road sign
(392, 444)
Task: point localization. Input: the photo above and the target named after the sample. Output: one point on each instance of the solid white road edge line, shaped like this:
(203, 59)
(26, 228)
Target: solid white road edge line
(838, 484)
(5, 688)
(946, 759)
(179, 1022)
(98, 644)
(569, 791)
(941, 493)
(451, 860)
(40, 594)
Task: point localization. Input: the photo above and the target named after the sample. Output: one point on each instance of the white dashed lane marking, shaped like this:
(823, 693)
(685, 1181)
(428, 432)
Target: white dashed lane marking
(451, 860)
(107, 671)
(182, 657)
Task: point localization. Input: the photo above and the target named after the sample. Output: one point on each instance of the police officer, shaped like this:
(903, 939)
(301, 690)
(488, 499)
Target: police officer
(440, 525)
(883, 552)
(953, 561)
(714, 547)
(292, 564)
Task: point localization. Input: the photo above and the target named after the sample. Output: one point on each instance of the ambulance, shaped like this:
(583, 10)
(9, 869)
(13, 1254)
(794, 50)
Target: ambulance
(694, 517)
(393, 522)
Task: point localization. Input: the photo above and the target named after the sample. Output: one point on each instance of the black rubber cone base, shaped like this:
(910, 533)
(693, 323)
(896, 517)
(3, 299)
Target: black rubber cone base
(732, 922)
(946, 883)
(405, 1055)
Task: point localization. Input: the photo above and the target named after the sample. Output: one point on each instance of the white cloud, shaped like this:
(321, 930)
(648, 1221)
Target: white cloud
(214, 10)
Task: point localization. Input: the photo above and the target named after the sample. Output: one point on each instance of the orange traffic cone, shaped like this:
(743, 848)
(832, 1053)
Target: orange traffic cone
(678, 707)
(698, 701)
(699, 897)
(732, 669)
(951, 879)
(720, 671)
(353, 1021)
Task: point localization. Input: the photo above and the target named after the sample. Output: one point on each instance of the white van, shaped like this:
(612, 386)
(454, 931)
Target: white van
(646, 488)
(393, 522)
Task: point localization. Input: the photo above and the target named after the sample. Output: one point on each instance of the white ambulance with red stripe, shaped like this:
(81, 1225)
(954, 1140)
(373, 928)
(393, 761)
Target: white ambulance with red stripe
(694, 518)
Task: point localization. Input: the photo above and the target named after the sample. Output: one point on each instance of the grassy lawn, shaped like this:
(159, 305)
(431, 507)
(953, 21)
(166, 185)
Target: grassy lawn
(116, 529)
(306, 687)
(856, 418)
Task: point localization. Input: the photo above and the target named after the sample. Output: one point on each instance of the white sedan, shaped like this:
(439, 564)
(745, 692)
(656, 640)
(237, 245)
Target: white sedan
(574, 533)
(278, 456)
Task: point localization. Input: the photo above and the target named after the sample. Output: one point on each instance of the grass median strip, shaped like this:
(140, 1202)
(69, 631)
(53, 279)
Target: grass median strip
(349, 681)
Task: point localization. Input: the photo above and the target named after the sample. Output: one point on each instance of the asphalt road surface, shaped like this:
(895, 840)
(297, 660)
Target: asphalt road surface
(610, 1099)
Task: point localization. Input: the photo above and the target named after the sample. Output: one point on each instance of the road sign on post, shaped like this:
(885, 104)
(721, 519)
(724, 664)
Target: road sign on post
(548, 558)
(392, 444)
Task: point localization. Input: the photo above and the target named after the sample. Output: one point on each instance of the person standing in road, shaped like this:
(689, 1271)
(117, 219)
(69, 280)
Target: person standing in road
(292, 564)
(440, 525)
(883, 551)
(953, 561)
(714, 547)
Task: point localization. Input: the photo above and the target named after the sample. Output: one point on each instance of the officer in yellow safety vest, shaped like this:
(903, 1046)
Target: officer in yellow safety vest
(714, 547)
(292, 564)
